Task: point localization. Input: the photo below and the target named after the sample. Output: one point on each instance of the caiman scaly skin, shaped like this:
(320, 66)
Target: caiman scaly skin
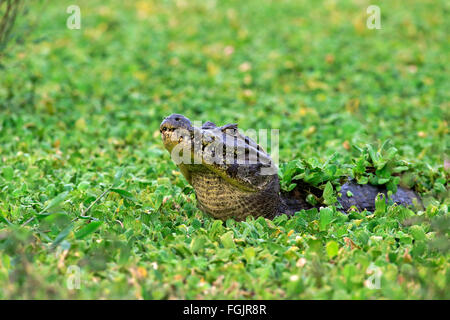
(233, 177)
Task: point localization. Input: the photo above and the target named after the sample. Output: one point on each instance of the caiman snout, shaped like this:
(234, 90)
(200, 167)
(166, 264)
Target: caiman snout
(169, 127)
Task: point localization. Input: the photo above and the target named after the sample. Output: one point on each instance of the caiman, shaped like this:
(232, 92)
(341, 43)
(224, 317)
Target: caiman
(233, 177)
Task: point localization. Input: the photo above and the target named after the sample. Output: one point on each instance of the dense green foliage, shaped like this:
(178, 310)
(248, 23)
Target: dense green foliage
(80, 113)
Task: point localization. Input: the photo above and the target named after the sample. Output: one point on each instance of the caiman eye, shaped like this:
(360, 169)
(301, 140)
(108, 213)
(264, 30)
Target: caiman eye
(164, 129)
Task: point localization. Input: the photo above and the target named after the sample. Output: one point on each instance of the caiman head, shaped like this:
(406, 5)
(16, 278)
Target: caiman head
(231, 174)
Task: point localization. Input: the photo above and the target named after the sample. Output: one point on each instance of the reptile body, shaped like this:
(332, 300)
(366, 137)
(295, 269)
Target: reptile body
(233, 177)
